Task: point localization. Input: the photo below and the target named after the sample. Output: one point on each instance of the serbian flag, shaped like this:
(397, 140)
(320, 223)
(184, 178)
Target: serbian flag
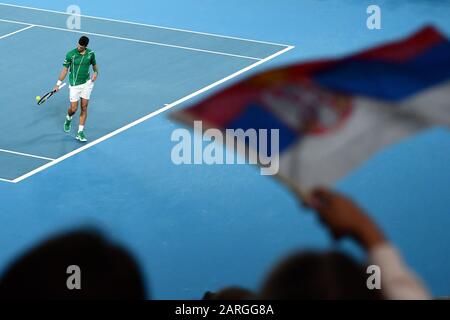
(332, 115)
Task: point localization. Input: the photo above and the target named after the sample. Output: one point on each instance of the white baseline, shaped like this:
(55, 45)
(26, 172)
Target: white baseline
(132, 40)
(17, 31)
(26, 155)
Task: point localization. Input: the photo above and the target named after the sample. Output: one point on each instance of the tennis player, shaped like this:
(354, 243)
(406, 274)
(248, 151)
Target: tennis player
(81, 84)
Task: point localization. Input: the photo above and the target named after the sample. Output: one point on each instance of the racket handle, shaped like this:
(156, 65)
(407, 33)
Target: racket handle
(62, 86)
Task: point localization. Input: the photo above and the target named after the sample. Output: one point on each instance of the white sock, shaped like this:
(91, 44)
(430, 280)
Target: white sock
(68, 117)
(80, 128)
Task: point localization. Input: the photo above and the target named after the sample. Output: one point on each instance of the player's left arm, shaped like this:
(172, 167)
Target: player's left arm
(95, 74)
(94, 67)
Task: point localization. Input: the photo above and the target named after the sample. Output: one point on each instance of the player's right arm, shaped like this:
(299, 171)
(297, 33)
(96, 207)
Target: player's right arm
(63, 72)
(62, 76)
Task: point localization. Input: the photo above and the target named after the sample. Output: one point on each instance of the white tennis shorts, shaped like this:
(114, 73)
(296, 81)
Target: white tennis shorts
(82, 91)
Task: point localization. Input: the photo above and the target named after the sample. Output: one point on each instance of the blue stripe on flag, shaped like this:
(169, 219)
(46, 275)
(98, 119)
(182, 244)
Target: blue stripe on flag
(256, 117)
(390, 81)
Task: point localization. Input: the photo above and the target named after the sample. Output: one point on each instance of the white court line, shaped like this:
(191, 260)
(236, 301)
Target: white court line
(144, 25)
(133, 40)
(17, 31)
(6, 180)
(26, 154)
(151, 115)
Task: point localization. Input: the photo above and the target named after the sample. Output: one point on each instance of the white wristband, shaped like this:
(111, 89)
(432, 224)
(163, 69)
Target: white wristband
(58, 83)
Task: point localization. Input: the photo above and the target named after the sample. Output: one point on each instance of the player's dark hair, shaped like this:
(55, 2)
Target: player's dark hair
(84, 41)
(107, 270)
(316, 275)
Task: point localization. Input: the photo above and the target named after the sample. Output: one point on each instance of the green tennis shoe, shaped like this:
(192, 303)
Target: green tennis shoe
(81, 137)
(67, 125)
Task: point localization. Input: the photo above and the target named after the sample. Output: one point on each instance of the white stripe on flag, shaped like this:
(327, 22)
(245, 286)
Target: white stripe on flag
(322, 160)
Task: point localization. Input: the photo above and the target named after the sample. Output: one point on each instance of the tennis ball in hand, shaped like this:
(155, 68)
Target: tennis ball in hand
(38, 98)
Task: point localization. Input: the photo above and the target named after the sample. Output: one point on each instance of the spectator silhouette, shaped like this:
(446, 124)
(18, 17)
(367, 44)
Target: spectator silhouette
(107, 270)
(334, 275)
(314, 275)
(230, 293)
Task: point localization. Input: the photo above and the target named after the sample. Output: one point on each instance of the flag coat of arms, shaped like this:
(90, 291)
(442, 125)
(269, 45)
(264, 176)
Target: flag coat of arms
(332, 115)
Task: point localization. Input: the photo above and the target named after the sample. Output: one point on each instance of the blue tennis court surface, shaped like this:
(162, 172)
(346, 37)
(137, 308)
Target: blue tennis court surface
(196, 228)
(144, 70)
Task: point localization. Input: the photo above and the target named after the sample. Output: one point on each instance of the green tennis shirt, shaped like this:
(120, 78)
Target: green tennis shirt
(79, 65)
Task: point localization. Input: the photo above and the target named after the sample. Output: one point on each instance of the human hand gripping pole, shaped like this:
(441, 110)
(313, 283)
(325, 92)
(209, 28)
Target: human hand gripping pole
(344, 218)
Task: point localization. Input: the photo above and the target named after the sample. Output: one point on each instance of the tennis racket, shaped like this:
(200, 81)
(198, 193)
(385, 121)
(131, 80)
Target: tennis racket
(49, 94)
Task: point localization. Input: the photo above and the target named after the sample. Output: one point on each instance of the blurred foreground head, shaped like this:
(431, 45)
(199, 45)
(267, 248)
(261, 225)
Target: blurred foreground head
(230, 293)
(318, 276)
(107, 270)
